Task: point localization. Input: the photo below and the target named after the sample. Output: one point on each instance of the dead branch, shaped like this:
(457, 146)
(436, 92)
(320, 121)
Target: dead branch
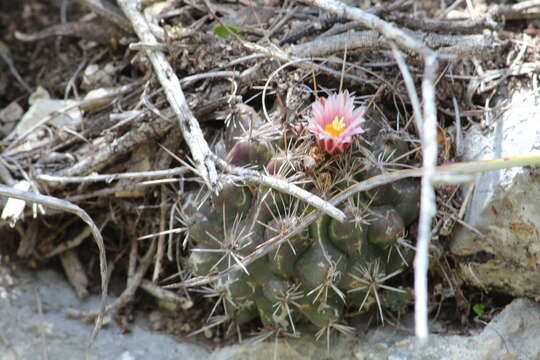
(108, 178)
(328, 20)
(283, 186)
(135, 278)
(166, 295)
(389, 31)
(110, 151)
(86, 104)
(447, 45)
(189, 125)
(75, 272)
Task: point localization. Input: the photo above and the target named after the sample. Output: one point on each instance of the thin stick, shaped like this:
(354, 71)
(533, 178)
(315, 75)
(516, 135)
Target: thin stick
(371, 21)
(66, 206)
(189, 125)
(409, 83)
(108, 178)
(428, 207)
(285, 187)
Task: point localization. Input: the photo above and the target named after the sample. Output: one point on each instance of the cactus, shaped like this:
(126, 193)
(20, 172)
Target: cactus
(318, 275)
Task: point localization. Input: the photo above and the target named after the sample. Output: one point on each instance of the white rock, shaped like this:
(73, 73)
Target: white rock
(505, 206)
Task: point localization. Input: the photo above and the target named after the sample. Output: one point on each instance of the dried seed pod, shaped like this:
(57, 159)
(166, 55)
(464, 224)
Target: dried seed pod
(280, 164)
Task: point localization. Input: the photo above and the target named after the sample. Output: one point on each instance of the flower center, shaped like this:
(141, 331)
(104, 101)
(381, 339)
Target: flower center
(336, 127)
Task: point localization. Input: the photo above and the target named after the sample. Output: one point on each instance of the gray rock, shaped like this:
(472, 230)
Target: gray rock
(505, 205)
(513, 334)
(29, 333)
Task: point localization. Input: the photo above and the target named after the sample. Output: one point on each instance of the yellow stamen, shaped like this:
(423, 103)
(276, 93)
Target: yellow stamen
(336, 127)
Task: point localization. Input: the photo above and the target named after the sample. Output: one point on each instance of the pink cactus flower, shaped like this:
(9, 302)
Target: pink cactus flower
(335, 120)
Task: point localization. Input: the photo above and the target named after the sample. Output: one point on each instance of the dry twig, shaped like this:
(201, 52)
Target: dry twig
(63, 205)
(189, 125)
(285, 187)
(449, 46)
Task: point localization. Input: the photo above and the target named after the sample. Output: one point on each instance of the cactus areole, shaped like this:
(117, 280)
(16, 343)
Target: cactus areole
(335, 120)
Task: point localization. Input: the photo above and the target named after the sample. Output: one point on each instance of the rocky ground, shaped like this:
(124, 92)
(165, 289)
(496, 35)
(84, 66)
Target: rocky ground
(34, 325)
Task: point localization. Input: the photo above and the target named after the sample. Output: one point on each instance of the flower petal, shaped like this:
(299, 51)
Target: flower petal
(325, 111)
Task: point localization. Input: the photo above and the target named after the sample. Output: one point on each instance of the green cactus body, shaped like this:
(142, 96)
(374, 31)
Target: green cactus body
(250, 152)
(274, 288)
(322, 261)
(270, 316)
(205, 228)
(385, 227)
(239, 288)
(348, 236)
(405, 196)
(317, 275)
(397, 301)
(389, 148)
(204, 261)
(283, 259)
(233, 202)
(322, 314)
(368, 254)
(242, 312)
(398, 258)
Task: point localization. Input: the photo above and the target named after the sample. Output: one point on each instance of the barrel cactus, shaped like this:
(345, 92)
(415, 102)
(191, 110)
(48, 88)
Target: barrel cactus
(331, 267)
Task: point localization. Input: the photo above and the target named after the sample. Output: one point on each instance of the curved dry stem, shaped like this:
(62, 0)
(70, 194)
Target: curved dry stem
(66, 206)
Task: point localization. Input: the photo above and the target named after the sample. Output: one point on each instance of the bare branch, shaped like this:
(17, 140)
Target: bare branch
(449, 46)
(189, 125)
(371, 21)
(108, 178)
(427, 200)
(285, 187)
